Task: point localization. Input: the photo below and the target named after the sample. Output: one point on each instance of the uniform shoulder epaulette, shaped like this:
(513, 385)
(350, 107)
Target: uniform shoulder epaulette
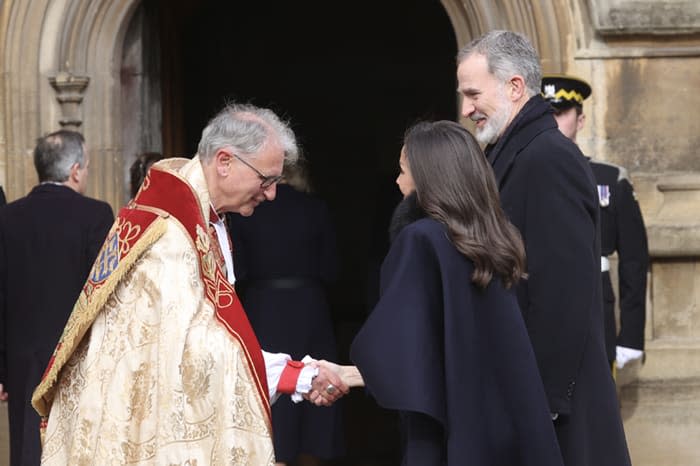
(622, 173)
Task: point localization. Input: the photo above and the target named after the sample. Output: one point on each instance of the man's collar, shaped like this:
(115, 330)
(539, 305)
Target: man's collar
(214, 217)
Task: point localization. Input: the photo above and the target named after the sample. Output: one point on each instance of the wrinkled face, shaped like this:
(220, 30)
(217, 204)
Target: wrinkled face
(569, 122)
(405, 180)
(241, 189)
(484, 99)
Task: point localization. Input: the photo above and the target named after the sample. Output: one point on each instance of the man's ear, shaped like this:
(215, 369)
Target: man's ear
(515, 88)
(75, 173)
(222, 161)
(580, 121)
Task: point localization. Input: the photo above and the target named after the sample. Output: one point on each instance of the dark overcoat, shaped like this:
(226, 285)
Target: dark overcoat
(48, 242)
(548, 192)
(622, 231)
(285, 258)
(454, 360)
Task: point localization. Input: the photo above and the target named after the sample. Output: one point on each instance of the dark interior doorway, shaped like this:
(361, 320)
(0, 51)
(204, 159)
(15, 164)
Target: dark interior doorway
(350, 78)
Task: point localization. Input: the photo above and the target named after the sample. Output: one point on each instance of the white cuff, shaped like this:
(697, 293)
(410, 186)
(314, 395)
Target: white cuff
(623, 355)
(306, 376)
(275, 364)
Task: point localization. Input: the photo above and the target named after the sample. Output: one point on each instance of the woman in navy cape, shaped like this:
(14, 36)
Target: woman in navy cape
(446, 345)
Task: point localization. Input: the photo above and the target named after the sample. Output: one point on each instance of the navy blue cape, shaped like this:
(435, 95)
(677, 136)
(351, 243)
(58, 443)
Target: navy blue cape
(453, 359)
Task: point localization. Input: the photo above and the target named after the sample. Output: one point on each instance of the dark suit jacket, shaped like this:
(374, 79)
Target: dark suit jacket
(622, 230)
(548, 191)
(48, 242)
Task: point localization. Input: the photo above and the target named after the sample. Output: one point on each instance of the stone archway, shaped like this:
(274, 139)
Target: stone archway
(545, 23)
(66, 73)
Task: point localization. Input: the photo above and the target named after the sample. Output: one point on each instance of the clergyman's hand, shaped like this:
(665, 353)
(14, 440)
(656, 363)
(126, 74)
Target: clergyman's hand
(3, 394)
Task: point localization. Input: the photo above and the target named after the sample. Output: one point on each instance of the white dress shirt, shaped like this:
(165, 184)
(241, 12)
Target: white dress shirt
(274, 362)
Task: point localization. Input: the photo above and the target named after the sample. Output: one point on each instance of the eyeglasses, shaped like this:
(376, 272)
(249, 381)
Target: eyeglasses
(265, 180)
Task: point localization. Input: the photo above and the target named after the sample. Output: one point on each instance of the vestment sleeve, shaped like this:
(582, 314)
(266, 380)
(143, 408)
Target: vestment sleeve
(633, 255)
(274, 366)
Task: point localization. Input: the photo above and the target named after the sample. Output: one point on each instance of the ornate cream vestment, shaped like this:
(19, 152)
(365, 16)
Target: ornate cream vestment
(155, 365)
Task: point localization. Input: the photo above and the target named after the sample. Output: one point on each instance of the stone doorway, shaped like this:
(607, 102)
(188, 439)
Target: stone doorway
(350, 84)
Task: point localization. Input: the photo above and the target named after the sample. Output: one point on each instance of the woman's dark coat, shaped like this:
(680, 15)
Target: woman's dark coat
(548, 192)
(453, 359)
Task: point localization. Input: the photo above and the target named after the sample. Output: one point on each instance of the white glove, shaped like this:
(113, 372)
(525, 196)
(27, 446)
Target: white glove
(623, 355)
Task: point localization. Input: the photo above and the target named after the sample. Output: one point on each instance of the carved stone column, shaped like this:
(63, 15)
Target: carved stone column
(69, 93)
(661, 399)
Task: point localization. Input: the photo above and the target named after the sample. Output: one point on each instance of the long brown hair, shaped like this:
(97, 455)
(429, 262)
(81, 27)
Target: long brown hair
(455, 185)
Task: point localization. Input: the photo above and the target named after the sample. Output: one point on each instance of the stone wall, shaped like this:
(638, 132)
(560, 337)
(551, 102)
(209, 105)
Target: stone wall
(661, 399)
(641, 58)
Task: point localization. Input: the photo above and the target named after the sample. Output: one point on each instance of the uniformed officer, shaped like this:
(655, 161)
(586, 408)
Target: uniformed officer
(621, 224)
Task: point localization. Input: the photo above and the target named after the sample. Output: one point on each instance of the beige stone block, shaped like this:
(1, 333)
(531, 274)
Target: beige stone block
(676, 294)
(649, 197)
(662, 422)
(636, 136)
(625, 17)
(664, 360)
(670, 204)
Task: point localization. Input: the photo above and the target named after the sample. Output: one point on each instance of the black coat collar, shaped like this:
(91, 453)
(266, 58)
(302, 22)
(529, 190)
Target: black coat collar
(52, 189)
(534, 118)
(407, 212)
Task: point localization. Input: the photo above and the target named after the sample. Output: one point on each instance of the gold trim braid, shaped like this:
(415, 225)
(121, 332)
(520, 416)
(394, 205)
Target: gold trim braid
(90, 303)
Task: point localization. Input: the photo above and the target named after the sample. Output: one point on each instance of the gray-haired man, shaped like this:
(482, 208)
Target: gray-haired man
(170, 371)
(48, 242)
(548, 191)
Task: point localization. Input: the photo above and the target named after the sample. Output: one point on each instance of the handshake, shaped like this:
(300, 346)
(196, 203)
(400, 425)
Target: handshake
(332, 382)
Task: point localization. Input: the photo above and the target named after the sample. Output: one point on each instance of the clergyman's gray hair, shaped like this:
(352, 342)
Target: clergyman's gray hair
(56, 153)
(247, 129)
(507, 53)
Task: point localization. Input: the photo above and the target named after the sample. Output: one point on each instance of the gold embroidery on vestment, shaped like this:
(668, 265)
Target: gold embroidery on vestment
(239, 456)
(128, 231)
(196, 374)
(202, 241)
(140, 393)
